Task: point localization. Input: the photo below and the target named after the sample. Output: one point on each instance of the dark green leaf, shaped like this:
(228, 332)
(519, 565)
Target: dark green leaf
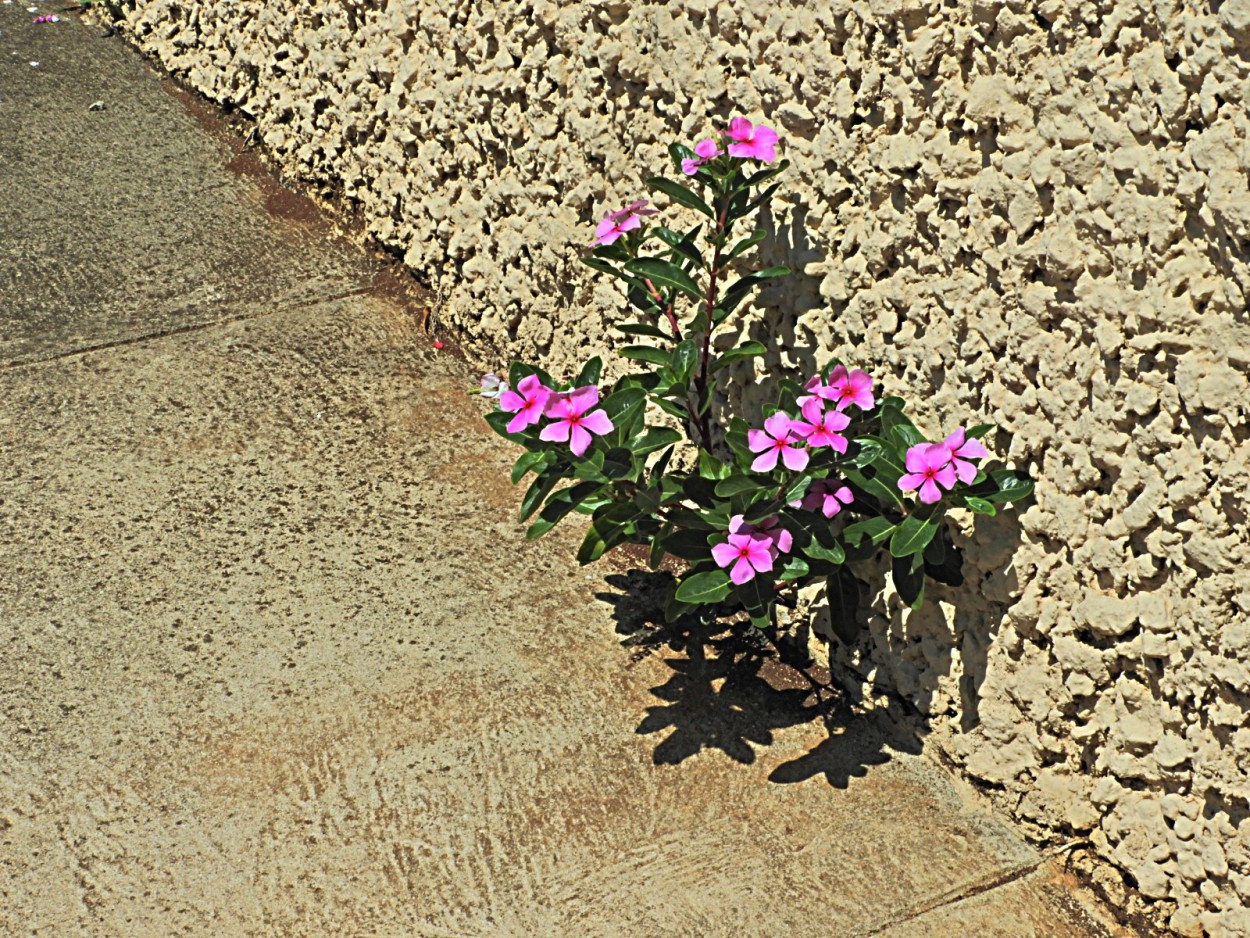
(818, 551)
(943, 561)
(685, 357)
(877, 530)
(539, 489)
(735, 485)
(646, 353)
(745, 350)
(559, 505)
(703, 588)
(875, 486)
(980, 506)
(712, 468)
(664, 275)
(680, 194)
(688, 545)
(590, 372)
(908, 575)
(758, 235)
(610, 526)
(912, 536)
(682, 244)
(1012, 486)
(766, 174)
(527, 462)
(655, 438)
(641, 328)
(795, 568)
(679, 152)
(843, 598)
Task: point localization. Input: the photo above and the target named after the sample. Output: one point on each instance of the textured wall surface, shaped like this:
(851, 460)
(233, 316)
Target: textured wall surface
(1032, 212)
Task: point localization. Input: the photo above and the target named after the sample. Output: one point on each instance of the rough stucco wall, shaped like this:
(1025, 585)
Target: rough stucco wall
(1035, 213)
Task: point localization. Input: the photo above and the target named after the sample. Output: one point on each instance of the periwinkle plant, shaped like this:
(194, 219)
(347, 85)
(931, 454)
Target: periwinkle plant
(834, 475)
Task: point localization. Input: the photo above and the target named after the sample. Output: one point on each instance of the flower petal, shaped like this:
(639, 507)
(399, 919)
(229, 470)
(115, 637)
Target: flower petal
(765, 462)
(795, 459)
(724, 554)
(742, 572)
(598, 423)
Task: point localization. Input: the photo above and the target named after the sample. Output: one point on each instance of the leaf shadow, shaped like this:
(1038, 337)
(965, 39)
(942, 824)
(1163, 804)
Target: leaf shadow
(731, 689)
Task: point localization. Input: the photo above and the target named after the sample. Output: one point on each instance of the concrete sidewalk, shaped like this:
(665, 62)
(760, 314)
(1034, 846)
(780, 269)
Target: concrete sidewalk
(277, 658)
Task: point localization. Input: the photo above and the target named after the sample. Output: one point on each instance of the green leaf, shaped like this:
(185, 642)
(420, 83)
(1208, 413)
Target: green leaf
(680, 194)
(877, 530)
(646, 353)
(876, 487)
(688, 545)
(559, 505)
(758, 235)
(736, 485)
(843, 597)
(663, 274)
(818, 551)
(685, 357)
(766, 174)
(679, 152)
(912, 536)
(682, 244)
(703, 588)
(641, 328)
(980, 506)
(538, 490)
(608, 528)
(795, 568)
(980, 430)
(908, 575)
(590, 372)
(712, 468)
(899, 429)
(527, 463)
(745, 350)
(618, 463)
(1012, 486)
(943, 561)
(655, 438)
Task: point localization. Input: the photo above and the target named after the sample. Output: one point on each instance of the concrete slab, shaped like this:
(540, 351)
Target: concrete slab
(127, 222)
(278, 661)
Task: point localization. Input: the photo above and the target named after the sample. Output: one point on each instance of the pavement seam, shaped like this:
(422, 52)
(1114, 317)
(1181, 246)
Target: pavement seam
(968, 891)
(183, 330)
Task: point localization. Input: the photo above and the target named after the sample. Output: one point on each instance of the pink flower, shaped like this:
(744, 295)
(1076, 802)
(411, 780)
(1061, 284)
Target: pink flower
(779, 538)
(825, 425)
(493, 386)
(527, 402)
(826, 497)
(747, 553)
(961, 450)
(615, 224)
(778, 438)
(928, 466)
(751, 141)
(706, 150)
(851, 388)
(572, 423)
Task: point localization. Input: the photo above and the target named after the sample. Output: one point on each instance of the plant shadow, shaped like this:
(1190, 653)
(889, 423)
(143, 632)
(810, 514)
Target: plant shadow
(732, 688)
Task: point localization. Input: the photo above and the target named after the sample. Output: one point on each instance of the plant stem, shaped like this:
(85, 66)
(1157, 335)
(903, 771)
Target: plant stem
(701, 378)
(668, 310)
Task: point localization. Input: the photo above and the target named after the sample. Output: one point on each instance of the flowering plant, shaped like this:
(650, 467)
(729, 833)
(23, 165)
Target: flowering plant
(834, 475)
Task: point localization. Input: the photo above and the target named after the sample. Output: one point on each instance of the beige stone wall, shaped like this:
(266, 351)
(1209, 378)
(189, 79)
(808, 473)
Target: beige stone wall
(1035, 213)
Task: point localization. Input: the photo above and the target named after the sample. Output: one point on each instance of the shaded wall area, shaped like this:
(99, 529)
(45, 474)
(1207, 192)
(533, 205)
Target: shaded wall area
(1035, 213)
